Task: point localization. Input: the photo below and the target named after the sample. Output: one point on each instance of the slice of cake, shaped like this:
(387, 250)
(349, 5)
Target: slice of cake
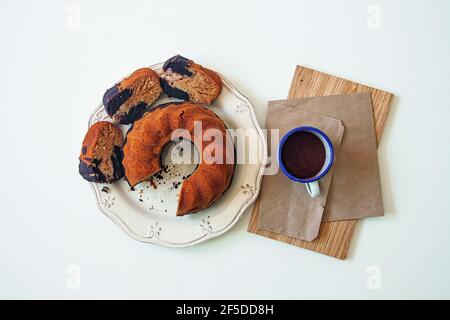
(128, 99)
(101, 153)
(184, 79)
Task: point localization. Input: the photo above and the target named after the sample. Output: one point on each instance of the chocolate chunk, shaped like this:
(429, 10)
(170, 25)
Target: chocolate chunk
(178, 64)
(173, 92)
(113, 99)
(158, 176)
(116, 159)
(91, 173)
(176, 184)
(134, 113)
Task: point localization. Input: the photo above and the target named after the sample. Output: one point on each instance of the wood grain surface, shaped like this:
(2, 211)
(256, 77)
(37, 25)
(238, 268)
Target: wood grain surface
(334, 237)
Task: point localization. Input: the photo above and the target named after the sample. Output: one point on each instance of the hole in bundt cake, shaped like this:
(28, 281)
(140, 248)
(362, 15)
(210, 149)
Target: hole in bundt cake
(181, 156)
(150, 150)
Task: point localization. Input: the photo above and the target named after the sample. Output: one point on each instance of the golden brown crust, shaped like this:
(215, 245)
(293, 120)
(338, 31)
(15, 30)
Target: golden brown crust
(215, 77)
(89, 141)
(129, 81)
(144, 83)
(212, 75)
(150, 134)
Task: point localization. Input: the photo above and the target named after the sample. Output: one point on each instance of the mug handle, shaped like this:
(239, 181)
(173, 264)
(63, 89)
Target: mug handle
(313, 189)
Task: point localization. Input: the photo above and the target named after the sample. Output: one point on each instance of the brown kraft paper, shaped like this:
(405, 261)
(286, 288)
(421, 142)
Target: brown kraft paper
(286, 206)
(355, 190)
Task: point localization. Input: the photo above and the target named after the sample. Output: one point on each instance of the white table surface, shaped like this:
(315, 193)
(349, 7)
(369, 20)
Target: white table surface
(55, 70)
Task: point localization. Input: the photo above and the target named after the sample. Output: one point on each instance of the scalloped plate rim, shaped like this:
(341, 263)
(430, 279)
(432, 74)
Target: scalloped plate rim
(209, 235)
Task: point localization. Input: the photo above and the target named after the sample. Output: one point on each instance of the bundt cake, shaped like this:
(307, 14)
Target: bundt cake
(101, 153)
(148, 136)
(184, 79)
(128, 99)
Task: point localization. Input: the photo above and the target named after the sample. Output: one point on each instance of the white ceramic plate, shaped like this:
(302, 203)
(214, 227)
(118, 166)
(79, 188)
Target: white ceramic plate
(147, 214)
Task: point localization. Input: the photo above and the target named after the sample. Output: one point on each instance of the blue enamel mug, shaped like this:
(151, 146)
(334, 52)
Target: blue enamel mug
(311, 183)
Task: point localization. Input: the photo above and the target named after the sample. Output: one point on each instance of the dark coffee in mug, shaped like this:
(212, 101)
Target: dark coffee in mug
(303, 154)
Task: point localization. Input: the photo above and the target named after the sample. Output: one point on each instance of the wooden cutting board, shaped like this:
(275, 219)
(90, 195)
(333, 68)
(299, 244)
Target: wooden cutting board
(334, 237)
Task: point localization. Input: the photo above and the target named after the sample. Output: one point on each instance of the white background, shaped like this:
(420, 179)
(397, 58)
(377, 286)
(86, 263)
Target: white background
(54, 72)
